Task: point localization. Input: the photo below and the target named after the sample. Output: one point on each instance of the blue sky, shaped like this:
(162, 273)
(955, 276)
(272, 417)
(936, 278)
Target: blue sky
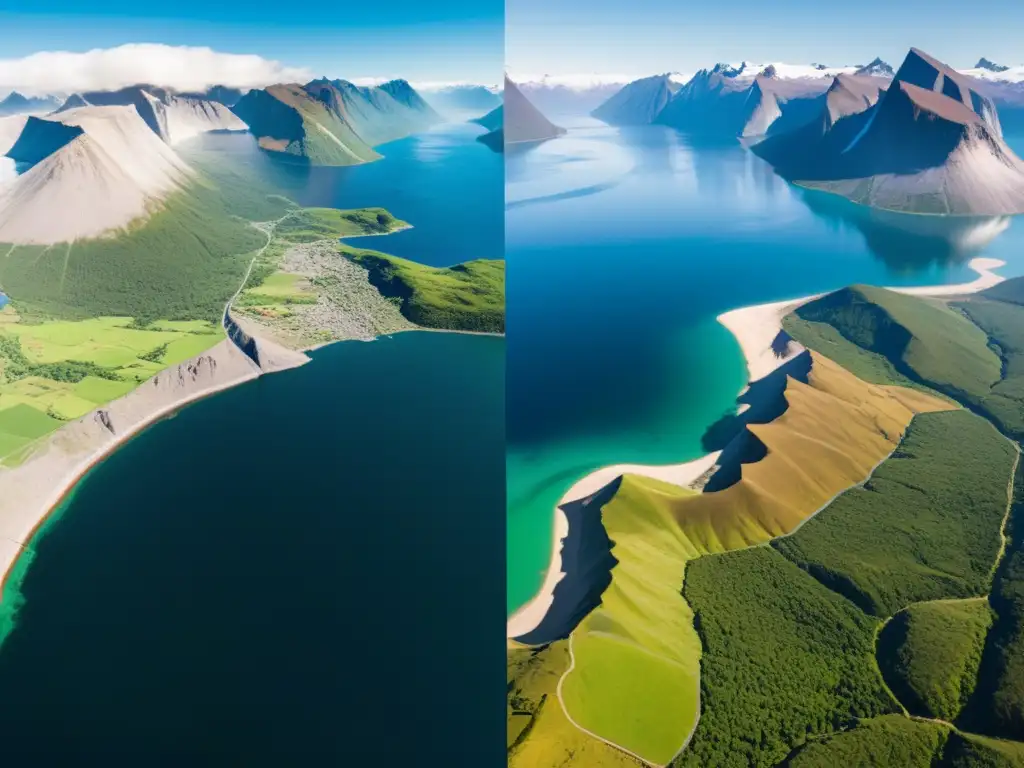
(426, 40)
(643, 37)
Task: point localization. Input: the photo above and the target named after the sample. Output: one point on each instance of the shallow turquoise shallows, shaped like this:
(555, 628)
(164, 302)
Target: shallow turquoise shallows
(623, 246)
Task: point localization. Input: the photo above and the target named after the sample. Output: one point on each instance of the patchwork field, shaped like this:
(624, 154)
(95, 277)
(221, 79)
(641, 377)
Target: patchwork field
(55, 371)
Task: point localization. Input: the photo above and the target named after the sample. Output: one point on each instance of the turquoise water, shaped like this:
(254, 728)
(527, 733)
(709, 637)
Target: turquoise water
(275, 575)
(443, 182)
(623, 245)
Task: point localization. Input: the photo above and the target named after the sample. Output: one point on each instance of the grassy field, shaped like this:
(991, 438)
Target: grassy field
(925, 527)
(56, 371)
(929, 654)
(889, 740)
(466, 297)
(539, 734)
(637, 669)
(784, 659)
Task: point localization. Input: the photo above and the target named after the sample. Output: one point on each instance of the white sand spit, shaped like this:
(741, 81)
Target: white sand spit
(116, 171)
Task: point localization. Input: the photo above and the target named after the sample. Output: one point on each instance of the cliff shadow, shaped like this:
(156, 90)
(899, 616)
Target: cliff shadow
(587, 563)
(765, 401)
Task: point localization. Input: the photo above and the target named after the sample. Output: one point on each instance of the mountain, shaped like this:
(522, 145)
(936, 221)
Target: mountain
(931, 143)
(333, 122)
(523, 122)
(741, 101)
(16, 104)
(172, 117)
(991, 66)
(222, 94)
(493, 120)
(639, 102)
(101, 167)
(570, 95)
(876, 68)
(458, 100)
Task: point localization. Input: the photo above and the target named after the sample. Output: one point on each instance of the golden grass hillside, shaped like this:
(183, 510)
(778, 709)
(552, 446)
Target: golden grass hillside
(635, 681)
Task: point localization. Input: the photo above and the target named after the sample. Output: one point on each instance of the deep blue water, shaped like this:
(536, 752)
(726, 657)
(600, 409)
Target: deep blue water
(623, 246)
(443, 182)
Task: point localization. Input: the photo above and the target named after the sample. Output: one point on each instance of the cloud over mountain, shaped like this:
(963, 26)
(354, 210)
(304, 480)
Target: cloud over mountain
(180, 67)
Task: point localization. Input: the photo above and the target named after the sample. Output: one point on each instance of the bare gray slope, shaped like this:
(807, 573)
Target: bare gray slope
(523, 121)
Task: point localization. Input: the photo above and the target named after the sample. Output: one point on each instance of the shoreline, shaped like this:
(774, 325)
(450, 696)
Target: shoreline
(31, 492)
(754, 328)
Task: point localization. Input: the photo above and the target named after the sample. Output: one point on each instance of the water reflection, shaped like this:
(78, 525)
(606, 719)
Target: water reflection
(908, 243)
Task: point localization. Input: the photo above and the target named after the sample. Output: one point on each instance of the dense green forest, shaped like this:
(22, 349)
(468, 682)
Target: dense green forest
(929, 654)
(924, 527)
(783, 658)
(890, 740)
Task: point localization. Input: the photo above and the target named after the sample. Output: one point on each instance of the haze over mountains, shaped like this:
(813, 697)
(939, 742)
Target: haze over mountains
(17, 104)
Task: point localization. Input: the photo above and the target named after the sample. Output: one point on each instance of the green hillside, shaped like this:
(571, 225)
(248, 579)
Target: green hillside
(466, 297)
(924, 527)
(929, 654)
(970, 350)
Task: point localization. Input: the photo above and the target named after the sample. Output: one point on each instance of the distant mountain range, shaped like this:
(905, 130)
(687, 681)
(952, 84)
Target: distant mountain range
(16, 104)
(930, 142)
(458, 100)
(571, 95)
(640, 102)
(334, 122)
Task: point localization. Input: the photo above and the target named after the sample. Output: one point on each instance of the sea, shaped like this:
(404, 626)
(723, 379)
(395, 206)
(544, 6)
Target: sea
(295, 571)
(623, 246)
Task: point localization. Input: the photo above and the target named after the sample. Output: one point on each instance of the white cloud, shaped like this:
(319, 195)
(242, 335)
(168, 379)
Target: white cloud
(179, 67)
(573, 81)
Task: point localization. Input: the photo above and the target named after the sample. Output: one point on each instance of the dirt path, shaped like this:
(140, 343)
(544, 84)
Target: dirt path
(267, 228)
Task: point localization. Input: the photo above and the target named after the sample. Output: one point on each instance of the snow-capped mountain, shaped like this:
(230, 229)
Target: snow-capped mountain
(989, 70)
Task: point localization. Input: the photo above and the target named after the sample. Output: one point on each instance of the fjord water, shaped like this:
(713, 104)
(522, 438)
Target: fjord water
(623, 246)
(443, 182)
(280, 574)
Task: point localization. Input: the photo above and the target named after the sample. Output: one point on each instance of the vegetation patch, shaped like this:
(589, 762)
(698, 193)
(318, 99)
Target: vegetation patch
(310, 224)
(924, 527)
(889, 740)
(637, 669)
(784, 659)
(539, 733)
(971, 751)
(929, 654)
(466, 297)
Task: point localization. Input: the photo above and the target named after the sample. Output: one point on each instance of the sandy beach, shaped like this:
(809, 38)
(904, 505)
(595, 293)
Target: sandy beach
(29, 492)
(755, 329)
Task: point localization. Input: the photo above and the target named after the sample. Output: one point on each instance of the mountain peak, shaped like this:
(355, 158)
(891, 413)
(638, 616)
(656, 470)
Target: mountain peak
(991, 66)
(876, 67)
(770, 71)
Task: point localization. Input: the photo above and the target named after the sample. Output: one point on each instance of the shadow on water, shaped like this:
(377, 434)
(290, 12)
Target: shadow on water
(907, 243)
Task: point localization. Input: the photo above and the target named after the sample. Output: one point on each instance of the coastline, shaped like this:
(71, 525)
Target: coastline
(32, 491)
(755, 328)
